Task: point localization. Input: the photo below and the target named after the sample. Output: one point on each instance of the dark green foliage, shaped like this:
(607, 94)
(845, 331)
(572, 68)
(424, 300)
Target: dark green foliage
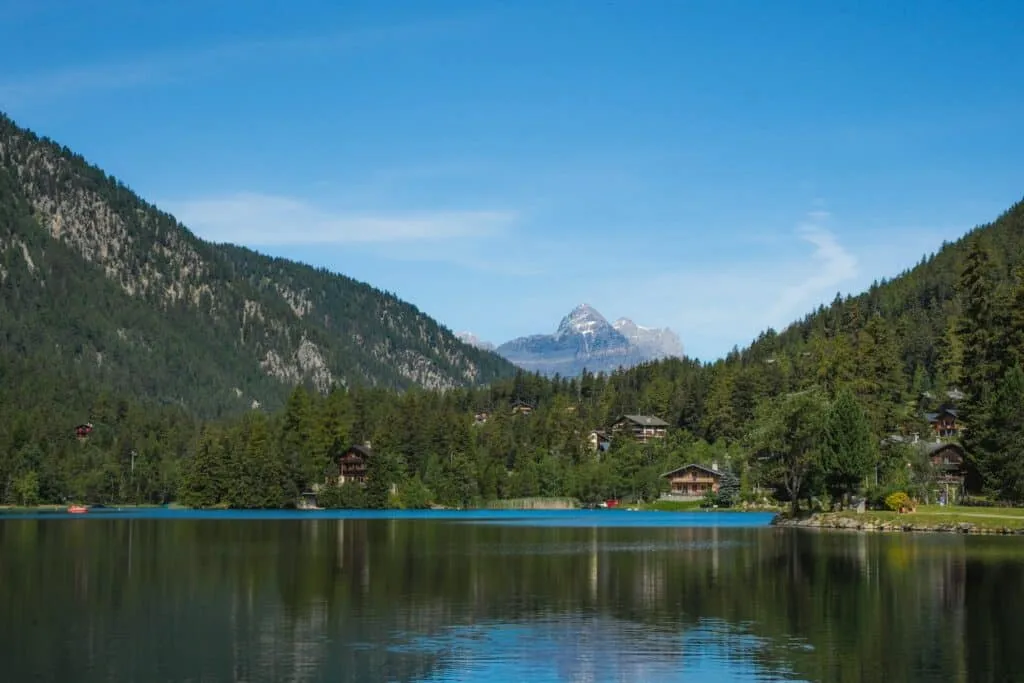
(728, 490)
(850, 449)
(414, 494)
(348, 496)
(788, 439)
(384, 473)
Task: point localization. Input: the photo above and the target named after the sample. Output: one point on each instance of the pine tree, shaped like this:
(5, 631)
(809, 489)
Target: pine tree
(849, 451)
(384, 472)
(984, 353)
(1002, 438)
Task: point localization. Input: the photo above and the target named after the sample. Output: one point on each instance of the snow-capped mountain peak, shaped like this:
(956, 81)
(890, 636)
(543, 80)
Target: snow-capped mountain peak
(585, 339)
(658, 343)
(584, 319)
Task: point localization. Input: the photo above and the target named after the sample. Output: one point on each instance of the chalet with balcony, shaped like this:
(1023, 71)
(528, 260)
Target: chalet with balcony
(352, 464)
(644, 428)
(693, 481)
(954, 475)
(945, 423)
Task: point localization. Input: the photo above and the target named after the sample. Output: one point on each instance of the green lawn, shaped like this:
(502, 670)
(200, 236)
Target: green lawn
(990, 518)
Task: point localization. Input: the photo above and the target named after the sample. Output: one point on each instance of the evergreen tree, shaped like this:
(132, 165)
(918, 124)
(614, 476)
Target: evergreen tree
(849, 451)
(384, 472)
(984, 354)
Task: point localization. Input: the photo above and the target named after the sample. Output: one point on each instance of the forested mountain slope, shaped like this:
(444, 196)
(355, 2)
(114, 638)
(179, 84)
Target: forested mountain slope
(891, 344)
(115, 293)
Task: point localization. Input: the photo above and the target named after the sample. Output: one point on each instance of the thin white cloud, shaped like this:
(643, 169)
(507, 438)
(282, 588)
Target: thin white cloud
(261, 220)
(725, 299)
(187, 65)
(832, 266)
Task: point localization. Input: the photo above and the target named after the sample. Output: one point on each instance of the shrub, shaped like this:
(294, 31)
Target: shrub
(875, 496)
(899, 502)
(348, 496)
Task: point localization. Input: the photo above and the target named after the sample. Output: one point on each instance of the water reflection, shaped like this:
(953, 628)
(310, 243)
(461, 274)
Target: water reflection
(406, 600)
(587, 650)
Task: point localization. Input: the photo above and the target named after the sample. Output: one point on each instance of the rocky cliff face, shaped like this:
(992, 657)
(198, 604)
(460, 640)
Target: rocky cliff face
(584, 339)
(153, 300)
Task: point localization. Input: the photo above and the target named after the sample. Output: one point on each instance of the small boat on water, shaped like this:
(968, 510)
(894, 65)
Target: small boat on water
(78, 509)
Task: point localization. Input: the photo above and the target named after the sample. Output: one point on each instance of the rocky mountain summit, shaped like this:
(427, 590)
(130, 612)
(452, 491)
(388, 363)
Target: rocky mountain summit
(585, 339)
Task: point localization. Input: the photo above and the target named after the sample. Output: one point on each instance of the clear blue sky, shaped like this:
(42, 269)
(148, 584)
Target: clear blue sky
(716, 167)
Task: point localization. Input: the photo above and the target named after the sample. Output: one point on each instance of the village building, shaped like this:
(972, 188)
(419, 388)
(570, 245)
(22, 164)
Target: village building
(642, 427)
(945, 423)
(693, 481)
(954, 477)
(352, 464)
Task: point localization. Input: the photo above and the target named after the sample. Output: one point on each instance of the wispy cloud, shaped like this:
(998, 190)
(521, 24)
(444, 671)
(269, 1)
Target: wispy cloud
(727, 298)
(181, 65)
(263, 220)
(832, 266)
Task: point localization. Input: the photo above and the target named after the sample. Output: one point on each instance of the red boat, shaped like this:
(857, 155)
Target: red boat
(78, 509)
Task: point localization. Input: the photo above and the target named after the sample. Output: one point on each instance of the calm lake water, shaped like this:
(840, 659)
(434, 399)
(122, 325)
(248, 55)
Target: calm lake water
(564, 596)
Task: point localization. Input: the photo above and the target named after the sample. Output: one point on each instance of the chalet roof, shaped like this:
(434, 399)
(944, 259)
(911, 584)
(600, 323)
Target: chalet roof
(362, 450)
(600, 433)
(933, 447)
(644, 420)
(708, 470)
(932, 417)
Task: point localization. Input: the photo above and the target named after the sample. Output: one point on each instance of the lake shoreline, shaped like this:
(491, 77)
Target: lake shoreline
(906, 523)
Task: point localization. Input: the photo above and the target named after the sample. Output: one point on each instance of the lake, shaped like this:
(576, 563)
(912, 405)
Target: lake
(498, 596)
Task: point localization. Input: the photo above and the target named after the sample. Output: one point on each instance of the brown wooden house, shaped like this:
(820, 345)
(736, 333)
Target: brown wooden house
(642, 427)
(352, 464)
(953, 473)
(693, 481)
(945, 422)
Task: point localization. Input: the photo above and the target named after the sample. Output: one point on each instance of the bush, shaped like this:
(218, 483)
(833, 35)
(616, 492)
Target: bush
(875, 496)
(899, 502)
(348, 496)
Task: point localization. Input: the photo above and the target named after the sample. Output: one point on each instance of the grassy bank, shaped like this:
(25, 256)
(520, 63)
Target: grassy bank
(924, 518)
(537, 503)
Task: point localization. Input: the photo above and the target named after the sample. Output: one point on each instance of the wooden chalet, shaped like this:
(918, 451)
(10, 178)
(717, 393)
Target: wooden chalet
(693, 481)
(944, 422)
(642, 427)
(352, 464)
(953, 473)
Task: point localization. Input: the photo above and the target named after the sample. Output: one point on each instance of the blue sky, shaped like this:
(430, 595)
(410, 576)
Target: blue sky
(716, 167)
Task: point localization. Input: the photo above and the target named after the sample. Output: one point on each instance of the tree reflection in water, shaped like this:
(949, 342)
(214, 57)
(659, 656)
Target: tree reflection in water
(408, 600)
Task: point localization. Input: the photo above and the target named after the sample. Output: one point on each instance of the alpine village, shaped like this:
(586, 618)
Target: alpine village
(141, 365)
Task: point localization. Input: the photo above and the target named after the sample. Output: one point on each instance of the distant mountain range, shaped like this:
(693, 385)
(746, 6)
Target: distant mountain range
(586, 340)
